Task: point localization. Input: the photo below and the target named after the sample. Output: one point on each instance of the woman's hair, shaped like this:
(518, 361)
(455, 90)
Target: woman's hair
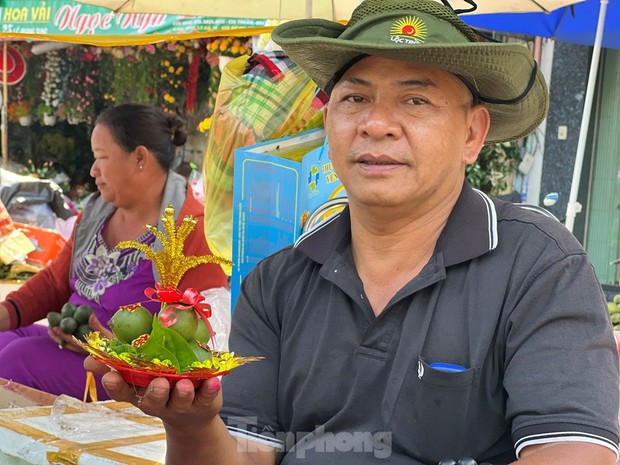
(135, 124)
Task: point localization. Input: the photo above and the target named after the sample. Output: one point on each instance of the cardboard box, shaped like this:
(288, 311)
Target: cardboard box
(72, 432)
(277, 186)
(15, 395)
(15, 247)
(48, 243)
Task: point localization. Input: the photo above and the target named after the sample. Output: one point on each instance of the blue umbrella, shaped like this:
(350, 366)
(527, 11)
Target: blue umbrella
(590, 22)
(575, 23)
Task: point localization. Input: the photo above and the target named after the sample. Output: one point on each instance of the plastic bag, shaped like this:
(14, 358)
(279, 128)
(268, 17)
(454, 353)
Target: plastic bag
(219, 299)
(262, 97)
(38, 202)
(6, 222)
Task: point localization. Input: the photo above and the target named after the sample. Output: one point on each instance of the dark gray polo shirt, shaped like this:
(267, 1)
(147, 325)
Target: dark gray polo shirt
(509, 295)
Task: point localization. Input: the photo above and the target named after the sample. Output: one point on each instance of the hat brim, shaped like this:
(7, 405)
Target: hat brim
(499, 71)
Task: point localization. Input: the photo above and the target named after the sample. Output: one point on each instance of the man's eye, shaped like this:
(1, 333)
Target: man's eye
(417, 101)
(354, 99)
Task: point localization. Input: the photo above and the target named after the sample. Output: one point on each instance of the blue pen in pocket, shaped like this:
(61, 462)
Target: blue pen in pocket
(449, 367)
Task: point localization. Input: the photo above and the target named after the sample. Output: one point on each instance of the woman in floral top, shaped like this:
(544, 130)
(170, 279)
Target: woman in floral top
(134, 146)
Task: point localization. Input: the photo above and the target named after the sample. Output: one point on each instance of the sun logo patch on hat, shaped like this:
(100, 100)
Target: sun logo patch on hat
(408, 30)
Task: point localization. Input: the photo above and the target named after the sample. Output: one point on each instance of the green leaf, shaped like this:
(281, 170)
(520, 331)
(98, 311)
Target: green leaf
(152, 349)
(121, 348)
(174, 343)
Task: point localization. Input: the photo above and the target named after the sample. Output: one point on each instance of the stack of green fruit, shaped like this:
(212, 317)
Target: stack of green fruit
(614, 312)
(72, 319)
(183, 342)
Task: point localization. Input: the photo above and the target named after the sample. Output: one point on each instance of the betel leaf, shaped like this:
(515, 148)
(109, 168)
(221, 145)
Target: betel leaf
(175, 343)
(122, 348)
(152, 349)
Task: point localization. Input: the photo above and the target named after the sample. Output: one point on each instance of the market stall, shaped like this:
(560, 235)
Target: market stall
(77, 59)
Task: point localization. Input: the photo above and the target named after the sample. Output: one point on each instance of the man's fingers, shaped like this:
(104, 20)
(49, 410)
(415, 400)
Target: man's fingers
(94, 365)
(156, 396)
(118, 389)
(182, 397)
(210, 392)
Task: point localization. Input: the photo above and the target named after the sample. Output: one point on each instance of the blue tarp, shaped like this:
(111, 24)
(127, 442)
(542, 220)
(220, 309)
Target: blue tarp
(574, 24)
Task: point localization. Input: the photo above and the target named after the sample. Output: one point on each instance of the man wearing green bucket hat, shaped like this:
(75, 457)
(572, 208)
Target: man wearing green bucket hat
(426, 323)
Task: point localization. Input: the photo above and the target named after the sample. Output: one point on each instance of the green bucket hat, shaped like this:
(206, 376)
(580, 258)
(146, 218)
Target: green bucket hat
(504, 76)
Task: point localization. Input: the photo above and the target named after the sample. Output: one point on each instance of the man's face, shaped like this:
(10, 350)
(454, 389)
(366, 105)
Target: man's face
(400, 133)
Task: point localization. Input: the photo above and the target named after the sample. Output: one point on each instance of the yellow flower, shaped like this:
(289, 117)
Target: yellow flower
(165, 362)
(123, 356)
(179, 70)
(205, 124)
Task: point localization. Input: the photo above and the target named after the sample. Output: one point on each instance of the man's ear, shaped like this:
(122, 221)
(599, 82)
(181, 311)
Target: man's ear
(329, 150)
(479, 123)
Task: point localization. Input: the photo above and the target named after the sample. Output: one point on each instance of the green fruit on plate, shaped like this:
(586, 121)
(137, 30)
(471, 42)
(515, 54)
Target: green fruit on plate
(612, 307)
(82, 313)
(53, 319)
(615, 318)
(202, 333)
(200, 353)
(186, 323)
(68, 325)
(130, 322)
(617, 299)
(82, 331)
(68, 309)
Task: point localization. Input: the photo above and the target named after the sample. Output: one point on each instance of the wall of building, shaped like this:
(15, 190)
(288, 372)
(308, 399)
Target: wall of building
(567, 91)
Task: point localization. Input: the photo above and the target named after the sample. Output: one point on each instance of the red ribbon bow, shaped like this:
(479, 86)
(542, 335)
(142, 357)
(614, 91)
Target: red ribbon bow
(190, 298)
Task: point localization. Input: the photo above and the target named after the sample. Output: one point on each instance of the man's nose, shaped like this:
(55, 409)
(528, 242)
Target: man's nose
(381, 121)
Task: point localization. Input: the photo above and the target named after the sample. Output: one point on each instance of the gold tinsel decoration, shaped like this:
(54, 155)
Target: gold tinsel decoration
(221, 362)
(170, 262)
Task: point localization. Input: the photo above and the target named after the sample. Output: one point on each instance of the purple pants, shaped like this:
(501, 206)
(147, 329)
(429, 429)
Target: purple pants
(28, 356)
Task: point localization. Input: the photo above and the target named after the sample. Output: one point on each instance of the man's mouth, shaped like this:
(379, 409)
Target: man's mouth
(366, 162)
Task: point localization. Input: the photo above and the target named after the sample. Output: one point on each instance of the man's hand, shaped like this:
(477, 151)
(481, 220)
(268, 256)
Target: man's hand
(181, 408)
(194, 431)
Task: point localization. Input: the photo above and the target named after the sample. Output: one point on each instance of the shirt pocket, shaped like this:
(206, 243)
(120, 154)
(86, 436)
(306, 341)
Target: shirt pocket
(430, 416)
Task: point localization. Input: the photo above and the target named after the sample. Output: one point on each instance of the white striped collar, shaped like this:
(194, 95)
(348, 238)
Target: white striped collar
(470, 232)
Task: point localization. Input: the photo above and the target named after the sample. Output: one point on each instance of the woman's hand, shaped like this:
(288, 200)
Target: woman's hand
(5, 319)
(96, 325)
(66, 341)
